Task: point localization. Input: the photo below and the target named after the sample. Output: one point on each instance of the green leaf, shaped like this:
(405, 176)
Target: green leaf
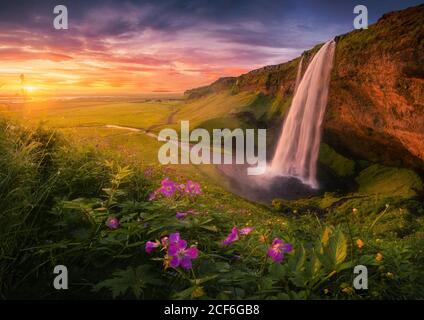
(203, 280)
(368, 260)
(339, 247)
(210, 228)
(334, 253)
(326, 236)
(277, 271)
(297, 261)
(131, 279)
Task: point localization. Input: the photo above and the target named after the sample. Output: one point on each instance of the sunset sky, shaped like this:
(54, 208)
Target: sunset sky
(131, 47)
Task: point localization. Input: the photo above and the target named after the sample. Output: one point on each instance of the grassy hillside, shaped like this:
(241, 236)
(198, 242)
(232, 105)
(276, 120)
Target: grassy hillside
(57, 198)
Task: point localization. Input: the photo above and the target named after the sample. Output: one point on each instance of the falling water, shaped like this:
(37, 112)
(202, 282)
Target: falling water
(299, 74)
(297, 150)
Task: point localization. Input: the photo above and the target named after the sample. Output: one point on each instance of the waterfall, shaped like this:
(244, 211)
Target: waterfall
(298, 147)
(299, 74)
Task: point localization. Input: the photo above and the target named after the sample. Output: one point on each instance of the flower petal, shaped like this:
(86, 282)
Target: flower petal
(150, 246)
(181, 215)
(173, 250)
(182, 244)
(186, 263)
(175, 261)
(277, 241)
(192, 252)
(174, 237)
(287, 247)
(275, 255)
(246, 230)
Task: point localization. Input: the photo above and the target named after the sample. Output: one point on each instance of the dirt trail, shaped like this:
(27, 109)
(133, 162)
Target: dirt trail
(169, 121)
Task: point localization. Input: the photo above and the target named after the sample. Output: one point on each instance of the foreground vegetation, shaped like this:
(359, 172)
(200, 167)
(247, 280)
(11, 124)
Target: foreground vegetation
(115, 224)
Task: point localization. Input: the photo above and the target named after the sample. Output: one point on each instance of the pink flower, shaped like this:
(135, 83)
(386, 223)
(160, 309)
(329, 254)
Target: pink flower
(112, 223)
(233, 236)
(174, 238)
(181, 215)
(193, 188)
(167, 188)
(180, 255)
(152, 195)
(277, 250)
(181, 187)
(246, 230)
(150, 246)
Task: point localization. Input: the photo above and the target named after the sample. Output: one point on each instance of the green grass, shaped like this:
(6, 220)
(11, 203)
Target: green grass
(57, 188)
(342, 166)
(213, 106)
(67, 114)
(378, 179)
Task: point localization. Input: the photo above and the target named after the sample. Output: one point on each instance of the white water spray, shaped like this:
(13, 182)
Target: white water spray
(298, 147)
(298, 75)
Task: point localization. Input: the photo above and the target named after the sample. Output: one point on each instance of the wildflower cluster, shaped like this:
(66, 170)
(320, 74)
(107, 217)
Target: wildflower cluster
(169, 188)
(234, 235)
(276, 251)
(178, 252)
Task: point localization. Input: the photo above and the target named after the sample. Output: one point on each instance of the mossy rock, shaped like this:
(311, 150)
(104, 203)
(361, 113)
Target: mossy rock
(339, 164)
(378, 179)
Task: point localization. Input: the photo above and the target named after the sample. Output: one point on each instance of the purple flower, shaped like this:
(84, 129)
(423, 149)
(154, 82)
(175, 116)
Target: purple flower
(193, 188)
(167, 187)
(181, 215)
(277, 250)
(174, 239)
(150, 246)
(112, 223)
(246, 230)
(180, 255)
(181, 187)
(152, 195)
(233, 236)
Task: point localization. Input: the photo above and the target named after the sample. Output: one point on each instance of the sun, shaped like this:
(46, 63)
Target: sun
(30, 89)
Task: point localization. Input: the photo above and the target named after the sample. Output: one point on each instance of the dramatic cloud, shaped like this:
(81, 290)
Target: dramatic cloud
(119, 47)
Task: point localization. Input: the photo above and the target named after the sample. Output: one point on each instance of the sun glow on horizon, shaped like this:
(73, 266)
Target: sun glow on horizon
(30, 89)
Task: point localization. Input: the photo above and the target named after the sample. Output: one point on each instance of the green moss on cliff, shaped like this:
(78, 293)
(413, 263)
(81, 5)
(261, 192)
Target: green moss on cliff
(340, 165)
(378, 179)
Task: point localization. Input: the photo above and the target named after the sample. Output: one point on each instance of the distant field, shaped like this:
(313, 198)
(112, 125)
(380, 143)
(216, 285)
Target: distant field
(71, 113)
(85, 120)
(215, 110)
(84, 123)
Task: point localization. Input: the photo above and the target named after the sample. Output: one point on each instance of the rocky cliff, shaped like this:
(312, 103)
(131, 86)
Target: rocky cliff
(376, 101)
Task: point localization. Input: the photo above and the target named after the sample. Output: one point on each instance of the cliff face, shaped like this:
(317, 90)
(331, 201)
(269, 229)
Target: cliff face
(376, 100)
